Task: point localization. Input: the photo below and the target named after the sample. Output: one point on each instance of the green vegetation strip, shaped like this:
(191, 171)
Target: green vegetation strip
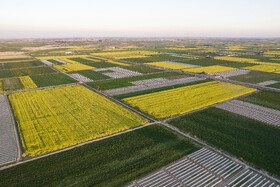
(253, 141)
(264, 98)
(124, 82)
(110, 162)
(25, 72)
(94, 63)
(51, 79)
(158, 89)
(257, 77)
(15, 65)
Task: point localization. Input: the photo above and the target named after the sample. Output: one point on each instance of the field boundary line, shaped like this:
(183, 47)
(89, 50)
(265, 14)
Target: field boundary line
(78, 145)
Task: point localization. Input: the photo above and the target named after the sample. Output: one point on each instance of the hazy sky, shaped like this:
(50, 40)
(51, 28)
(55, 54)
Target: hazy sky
(139, 18)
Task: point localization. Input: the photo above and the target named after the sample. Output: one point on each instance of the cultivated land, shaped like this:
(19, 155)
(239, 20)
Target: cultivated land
(264, 98)
(185, 99)
(253, 141)
(111, 162)
(47, 125)
(71, 102)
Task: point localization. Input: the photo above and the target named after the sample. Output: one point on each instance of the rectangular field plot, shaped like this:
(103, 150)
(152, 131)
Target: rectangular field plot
(93, 75)
(13, 84)
(115, 161)
(209, 69)
(169, 65)
(201, 168)
(264, 98)
(81, 77)
(16, 65)
(232, 73)
(25, 72)
(185, 99)
(55, 118)
(8, 145)
(249, 110)
(257, 77)
(51, 79)
(117, 72)
(251, 140)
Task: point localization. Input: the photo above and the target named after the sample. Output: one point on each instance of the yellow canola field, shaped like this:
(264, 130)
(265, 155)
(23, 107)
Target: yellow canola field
(126, 54)
(264, 68)
(246, 60)
(27, 82)
(73, 67)
(272, 53)
(62, 57)
(235, 48)
(112, 61)
(56, 118)
(209, 69)
(185, 99)
(237, 59)
(168, 65)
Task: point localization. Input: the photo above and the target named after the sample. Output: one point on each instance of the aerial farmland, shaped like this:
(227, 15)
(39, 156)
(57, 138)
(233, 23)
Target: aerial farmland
(140, 112)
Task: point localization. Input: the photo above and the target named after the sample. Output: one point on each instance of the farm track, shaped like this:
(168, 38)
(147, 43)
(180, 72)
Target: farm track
(154, 121)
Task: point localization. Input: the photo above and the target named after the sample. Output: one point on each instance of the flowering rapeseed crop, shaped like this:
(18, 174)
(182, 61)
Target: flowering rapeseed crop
(55, 118)
(168, 65)
(185, 99)
(209, 69)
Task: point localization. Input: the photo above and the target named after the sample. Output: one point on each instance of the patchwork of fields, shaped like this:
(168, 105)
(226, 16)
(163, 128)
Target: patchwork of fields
(151, 114)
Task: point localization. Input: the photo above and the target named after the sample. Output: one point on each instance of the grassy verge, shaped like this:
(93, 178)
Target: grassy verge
(253, 141)
(110, 162)
(124, 82)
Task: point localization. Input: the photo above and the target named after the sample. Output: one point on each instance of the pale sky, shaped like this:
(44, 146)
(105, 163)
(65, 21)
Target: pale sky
(139, 18)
